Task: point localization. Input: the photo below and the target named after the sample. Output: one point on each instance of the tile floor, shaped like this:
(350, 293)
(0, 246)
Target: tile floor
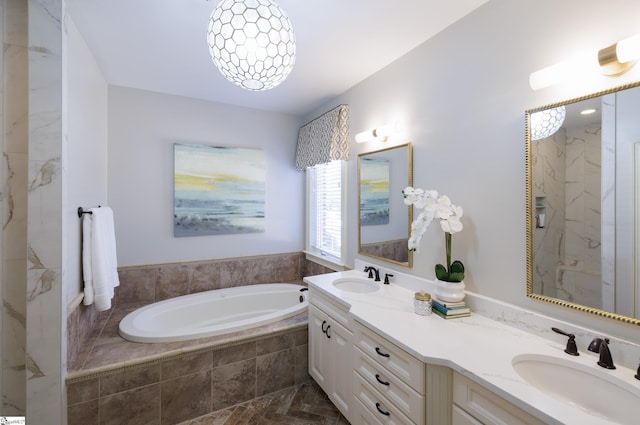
(300, 405)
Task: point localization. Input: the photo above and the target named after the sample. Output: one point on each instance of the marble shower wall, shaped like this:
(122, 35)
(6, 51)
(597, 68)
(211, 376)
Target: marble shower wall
(46, 323)
(583, 199)
(566, 170)
(548, 181)
(13, 202)
(579, 279)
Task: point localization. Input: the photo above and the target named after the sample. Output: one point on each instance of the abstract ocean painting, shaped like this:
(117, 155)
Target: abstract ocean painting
(218, 190)
(374, 191)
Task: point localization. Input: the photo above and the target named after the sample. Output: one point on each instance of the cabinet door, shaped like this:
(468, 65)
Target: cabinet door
(341, 366)
(460, 417)
(319, 361)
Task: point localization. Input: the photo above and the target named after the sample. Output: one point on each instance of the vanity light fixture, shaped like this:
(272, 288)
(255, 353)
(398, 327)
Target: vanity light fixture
(251, 43)
(613, 61)
(546, 123)
(378, 134)
(587, 111)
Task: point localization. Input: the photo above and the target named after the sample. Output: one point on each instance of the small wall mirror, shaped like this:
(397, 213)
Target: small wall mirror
(583, 203)
(383, 219)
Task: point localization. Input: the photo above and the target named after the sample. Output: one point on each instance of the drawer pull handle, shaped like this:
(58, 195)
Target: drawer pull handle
(324, 331)
(380, 353)
(382, 411)
(380, 380)
(327, 331)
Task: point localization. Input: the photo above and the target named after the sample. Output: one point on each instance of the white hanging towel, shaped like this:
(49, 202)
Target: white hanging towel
(99, 260)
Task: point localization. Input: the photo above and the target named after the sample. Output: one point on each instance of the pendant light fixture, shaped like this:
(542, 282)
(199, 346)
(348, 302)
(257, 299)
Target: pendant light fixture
(546, 123)
(251, 43)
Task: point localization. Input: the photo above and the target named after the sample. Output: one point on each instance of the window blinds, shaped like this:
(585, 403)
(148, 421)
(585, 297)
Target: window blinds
(325, 207)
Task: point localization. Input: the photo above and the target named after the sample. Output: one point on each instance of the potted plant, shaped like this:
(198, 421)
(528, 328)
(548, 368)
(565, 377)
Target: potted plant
(449, 277)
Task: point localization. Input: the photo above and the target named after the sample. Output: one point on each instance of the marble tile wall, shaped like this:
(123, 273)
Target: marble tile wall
(187, 386)
(13, 204)
(45, 313)
(548, 178)
(583, 199)
(566, 175)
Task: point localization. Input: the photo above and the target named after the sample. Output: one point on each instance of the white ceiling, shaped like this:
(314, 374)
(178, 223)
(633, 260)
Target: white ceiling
(161, 46)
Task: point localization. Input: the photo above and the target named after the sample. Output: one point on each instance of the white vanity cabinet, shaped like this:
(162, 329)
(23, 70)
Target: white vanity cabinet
(330, 347)
(476, 405)
(393, 387)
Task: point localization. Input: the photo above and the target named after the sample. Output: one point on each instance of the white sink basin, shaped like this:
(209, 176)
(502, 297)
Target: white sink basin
(595, 391)
(354, 284)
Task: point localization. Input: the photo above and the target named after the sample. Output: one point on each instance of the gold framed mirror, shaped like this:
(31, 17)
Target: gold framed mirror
(583, 211)
(384, 221)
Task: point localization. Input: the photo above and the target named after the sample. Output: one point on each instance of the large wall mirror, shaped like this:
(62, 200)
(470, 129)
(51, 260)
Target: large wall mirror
(383, 219)
(583, 203)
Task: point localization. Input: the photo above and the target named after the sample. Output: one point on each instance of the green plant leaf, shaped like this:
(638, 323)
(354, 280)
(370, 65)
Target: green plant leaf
(441, 273)
(456, 274)
(457, 267)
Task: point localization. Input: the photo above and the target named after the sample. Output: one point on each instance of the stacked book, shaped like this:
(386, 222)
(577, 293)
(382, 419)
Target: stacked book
(450, 310)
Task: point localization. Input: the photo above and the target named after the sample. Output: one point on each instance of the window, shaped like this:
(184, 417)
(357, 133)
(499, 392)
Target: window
(325, 213)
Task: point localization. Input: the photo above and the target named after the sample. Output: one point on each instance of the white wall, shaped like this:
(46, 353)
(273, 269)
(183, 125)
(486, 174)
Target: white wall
(461, 96)
(85, 150)
(143, 126)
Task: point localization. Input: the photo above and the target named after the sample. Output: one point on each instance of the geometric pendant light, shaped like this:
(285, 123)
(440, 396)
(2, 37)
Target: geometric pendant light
(547, 122)
(251, 43)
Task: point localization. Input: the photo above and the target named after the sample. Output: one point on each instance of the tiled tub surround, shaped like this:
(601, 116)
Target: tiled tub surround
(112, 380)
(126, 382)
(142, 285)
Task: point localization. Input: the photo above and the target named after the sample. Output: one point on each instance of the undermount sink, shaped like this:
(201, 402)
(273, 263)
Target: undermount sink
(595, 391)
(354, 284)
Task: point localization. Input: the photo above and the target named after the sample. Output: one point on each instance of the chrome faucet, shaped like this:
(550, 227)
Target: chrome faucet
(373, 272)
(599, 345)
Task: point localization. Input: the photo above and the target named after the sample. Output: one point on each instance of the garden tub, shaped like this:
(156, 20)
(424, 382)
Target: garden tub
(214, 312)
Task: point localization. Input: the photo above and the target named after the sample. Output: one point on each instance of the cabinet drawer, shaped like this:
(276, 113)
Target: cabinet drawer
(388, 385)
(406, 367)
(338, 312)
(374, 405)
(487, 407)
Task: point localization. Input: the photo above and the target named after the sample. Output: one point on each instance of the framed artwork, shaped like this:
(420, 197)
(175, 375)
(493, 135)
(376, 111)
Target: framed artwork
(374, 191)
(218, 190)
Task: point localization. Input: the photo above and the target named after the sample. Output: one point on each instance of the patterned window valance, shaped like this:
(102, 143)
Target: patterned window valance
(324, 139)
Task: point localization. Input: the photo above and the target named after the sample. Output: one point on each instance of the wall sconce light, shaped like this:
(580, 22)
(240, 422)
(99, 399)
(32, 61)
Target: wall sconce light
(613, 61)
(378, 134)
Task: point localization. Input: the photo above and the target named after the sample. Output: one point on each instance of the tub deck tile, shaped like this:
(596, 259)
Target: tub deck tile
(106, 349)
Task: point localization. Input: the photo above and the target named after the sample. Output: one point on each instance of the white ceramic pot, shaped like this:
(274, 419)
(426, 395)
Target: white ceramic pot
(449, 291)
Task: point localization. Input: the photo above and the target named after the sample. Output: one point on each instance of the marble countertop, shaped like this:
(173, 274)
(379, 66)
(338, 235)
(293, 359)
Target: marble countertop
(477, 347)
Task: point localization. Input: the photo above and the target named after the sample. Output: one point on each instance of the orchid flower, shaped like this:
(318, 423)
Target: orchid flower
(434, 207)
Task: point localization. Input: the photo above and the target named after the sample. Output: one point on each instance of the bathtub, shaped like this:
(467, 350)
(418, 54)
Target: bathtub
(215, 312)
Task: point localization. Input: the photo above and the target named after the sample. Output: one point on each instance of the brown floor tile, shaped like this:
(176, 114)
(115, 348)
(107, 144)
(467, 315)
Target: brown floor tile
(303, 404)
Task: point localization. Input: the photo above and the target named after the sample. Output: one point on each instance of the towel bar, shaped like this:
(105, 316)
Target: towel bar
(81, 211)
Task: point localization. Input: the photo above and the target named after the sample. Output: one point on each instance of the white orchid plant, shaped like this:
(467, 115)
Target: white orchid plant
(438, 207)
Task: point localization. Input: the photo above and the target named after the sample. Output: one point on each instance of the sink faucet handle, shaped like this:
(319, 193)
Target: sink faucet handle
(572, 348)
(386, 278)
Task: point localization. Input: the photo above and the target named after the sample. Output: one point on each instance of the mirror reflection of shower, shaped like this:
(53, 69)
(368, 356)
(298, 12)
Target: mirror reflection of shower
(583, 194)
